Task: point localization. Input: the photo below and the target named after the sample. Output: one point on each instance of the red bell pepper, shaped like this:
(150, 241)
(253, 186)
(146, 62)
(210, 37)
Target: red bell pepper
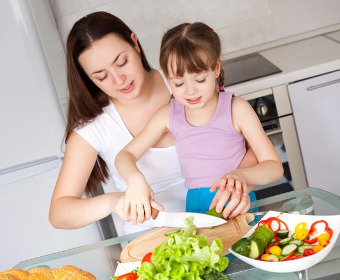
(313, 233)
(308, 252)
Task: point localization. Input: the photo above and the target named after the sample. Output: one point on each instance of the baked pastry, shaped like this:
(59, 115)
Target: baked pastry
(70, 272)
(22, 274)
(66, 272)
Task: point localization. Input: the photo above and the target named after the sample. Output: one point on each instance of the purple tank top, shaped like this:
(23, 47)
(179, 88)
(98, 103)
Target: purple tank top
(207, 152)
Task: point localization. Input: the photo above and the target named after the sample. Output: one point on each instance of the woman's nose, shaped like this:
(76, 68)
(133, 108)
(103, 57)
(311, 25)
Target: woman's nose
(118, 78)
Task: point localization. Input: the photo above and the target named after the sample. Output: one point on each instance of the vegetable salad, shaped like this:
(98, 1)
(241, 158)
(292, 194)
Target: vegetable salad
(271, 240)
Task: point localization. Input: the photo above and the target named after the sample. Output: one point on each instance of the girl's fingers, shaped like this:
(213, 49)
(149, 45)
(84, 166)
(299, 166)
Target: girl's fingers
(238, 187)
(241, 208)
(245, 189)
(133, 214)
(230, 184)
(234, 201)
(156, 205)
(140, 212)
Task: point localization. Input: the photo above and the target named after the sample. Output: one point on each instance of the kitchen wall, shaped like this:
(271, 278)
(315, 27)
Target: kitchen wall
(241, 24)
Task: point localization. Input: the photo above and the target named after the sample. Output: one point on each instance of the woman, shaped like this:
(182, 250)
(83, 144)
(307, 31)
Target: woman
(113, 93)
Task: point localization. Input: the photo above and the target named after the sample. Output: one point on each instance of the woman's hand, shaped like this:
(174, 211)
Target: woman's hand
(237, 203)
(139, 200)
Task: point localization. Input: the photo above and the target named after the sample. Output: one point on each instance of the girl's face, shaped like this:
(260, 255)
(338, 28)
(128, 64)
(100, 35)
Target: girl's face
(114, 66)
(194, 90)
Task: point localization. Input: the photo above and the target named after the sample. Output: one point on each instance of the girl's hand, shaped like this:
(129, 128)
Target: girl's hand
(139, 199)
(232, 182)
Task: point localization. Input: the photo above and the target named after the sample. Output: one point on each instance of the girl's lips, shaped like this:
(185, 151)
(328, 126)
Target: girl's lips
(194, 101)
(128, 89)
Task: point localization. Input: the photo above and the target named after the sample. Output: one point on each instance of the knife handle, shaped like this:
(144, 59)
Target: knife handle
(154, 213)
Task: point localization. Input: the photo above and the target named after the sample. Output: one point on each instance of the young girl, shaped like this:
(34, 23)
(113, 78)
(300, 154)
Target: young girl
(210, 128)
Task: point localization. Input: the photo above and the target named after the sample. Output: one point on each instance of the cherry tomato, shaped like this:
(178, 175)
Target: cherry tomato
(128, 276)
(308, 252)
(147, 258)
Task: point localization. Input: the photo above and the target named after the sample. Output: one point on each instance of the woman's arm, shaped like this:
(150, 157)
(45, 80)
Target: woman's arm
(68, 209)
(139, 196)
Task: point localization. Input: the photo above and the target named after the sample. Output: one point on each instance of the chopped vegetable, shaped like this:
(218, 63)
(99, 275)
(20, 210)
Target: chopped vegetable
(301, 231)
(185, 255)
(275, 250)
(242, 247)
(128, 276)
(147, 258)
(313, 232)
(282, 233)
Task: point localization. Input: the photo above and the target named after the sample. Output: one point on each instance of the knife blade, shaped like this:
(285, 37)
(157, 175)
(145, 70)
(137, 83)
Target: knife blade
(176, 219)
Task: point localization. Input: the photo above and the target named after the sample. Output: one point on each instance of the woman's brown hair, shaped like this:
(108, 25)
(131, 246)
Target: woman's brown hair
(194, 46)
(86, 100)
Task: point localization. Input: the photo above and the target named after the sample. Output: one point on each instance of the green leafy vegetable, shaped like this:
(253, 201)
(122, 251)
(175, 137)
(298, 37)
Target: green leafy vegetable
(185, 255)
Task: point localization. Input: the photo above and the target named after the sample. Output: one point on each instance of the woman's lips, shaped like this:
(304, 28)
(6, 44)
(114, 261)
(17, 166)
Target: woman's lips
(128, 89)
(194, 101)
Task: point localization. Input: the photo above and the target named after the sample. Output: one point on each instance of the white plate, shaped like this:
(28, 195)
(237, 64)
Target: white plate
(299, 264)
(124, 268)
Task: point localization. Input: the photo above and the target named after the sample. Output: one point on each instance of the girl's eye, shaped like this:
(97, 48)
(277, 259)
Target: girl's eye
(200, 81)
(178, 85)
(103, 78)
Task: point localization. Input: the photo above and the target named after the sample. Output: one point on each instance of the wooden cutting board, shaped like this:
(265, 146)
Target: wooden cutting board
(229, 233)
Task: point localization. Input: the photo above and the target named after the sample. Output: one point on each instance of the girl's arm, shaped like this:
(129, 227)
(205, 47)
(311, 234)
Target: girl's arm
(139, 196)
(269, 167)
(68, 209)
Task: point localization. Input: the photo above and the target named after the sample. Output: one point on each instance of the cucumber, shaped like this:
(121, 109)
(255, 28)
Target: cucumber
(273, 258)
(284, 242)
(290, 248)
(213, 212)
(302, 248)
(256, 248)
(282, 233)
(264, 231)
(297, 242)
(242, 247)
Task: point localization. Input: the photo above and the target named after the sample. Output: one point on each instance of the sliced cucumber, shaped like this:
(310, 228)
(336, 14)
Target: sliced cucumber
(256, 248)
(284, 242)
(242, 247)
(290, 248)
(302, 248)
(282, 233)
(297, 242)
(264, 231)
(273, 258)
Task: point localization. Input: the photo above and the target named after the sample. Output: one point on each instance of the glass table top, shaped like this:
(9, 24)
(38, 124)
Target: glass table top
(101, 258)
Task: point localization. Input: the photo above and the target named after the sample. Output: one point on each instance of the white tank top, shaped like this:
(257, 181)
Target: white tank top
(107, 134)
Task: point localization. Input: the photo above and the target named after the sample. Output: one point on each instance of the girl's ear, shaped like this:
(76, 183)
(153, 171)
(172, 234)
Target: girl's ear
(218, 68)
(135, 41)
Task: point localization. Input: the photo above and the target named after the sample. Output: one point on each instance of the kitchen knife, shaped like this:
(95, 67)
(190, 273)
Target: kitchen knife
(174, 219)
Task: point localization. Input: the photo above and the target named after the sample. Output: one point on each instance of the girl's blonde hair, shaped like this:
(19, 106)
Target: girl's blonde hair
(194, 46)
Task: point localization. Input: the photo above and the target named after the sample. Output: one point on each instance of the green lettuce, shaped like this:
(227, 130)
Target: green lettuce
(185, 255)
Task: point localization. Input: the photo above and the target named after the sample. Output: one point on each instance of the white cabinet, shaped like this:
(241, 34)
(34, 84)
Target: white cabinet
(316, 109)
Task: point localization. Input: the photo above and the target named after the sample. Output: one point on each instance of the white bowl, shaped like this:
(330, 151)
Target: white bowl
(299, 264)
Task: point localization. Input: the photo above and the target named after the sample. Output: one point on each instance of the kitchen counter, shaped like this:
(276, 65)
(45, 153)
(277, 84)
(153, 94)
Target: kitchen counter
(298, 60)
(101, 258)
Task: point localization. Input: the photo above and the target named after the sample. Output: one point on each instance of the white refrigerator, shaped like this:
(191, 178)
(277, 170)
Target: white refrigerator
(32, 127)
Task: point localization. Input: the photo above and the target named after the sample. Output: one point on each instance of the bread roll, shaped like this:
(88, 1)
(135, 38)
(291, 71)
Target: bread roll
(66, 272)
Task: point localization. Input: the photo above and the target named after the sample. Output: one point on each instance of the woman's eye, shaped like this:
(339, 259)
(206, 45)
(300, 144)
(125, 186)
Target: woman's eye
(103, 78)
(122, 64)
(178, 85)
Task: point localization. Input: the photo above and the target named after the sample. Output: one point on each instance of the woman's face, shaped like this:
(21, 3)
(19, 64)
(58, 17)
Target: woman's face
(114, 66)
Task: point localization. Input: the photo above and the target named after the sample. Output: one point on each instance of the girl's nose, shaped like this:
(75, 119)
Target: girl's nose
(192, 89)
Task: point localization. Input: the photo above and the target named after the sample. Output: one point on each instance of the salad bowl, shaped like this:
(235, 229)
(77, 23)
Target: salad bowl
(297, 264)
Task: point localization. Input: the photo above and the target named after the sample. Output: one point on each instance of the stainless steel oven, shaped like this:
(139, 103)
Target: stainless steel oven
(274, 111)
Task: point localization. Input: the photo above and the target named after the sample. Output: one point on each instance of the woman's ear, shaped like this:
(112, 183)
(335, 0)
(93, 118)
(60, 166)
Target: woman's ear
(218, 67)
(135, 41)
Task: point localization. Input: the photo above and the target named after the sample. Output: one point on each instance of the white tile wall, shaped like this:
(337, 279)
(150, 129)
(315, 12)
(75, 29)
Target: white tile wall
(241, 24)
